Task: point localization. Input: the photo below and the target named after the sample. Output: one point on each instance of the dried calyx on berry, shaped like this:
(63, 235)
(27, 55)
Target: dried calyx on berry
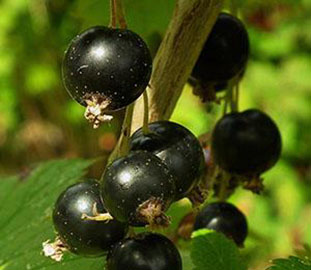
(178, 149)
(225, 218)
(145, 251)
(223, 58)
(75, 233)
(106, 69)
(138, 189)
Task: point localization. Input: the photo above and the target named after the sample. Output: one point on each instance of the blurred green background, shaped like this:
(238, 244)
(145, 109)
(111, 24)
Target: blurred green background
(39, 121)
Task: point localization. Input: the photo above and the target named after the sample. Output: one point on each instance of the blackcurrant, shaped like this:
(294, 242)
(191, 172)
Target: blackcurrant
(146, 251)
(138, 189)
(225, 51)
(225, 218)
(106, 69)
(246, 143)
(178, 148)
(85, 237)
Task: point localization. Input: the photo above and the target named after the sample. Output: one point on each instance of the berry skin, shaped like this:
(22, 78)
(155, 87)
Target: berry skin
(178, 149)
(85, 237)
(105, 70)
(147, 251)
(138, 189)
(246, 143)
(225, 218)
(225, 52)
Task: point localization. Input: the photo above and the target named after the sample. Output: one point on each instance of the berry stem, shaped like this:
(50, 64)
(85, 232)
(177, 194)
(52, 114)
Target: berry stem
(122, 147)
(237, 95)
(120, 14)
(226, 98)
(231, 98)
(113, 14)
(223, 187)
(146, 113)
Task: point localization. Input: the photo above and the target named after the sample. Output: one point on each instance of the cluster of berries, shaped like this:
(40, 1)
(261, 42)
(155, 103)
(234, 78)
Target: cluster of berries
(106, 69)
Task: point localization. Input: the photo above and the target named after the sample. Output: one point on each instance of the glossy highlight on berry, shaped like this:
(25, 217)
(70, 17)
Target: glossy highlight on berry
(225, 218)
(85, 237)
(179, 150)
(225, 52)
(138, 189)
(106, 69)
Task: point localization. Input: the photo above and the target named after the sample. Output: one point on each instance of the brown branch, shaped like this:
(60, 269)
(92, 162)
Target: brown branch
(113, 16)
(120, 14)
(191, 23)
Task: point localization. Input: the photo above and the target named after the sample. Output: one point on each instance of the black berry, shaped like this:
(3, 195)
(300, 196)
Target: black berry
(147, 251)
(225, 218)
(247, 143)
(178, 148)
(225, 51)
(85, 237)
(106, 69)
(138, 189)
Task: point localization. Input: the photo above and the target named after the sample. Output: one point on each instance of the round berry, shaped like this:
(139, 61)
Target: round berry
(106, 69)
(146, 251)
(225, 218)
(179, 150)
(138, 189)
(246, 143)
(85, 237)
(225, 52)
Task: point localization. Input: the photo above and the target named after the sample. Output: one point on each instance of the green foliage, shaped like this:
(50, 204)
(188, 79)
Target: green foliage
(26, 207)
(292, 263)
(33, 37)
(212, 250)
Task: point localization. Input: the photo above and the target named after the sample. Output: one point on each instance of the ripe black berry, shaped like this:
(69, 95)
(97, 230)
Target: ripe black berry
(106, 69)
(147, 251)
(138, 189)
(225, 51)
(225, 218)
(247, 143)
(85, 237)
(178, 148)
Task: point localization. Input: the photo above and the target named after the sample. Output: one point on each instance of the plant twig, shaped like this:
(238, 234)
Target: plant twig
(180, 48)
(113, 12)
(120, 14)
(237, 95)
(122, 146)
(146, 113)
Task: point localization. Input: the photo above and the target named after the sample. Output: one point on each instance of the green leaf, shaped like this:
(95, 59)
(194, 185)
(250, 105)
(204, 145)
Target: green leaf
(212, 250)
(292, 263)
(25, 212)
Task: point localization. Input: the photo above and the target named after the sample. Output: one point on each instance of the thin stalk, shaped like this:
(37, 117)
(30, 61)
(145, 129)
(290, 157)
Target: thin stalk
(223, 187)
(113, 14)
(226, 103)
(146, 114)
(229, 100)
(237, 96)
(122, 146)
(121, 14)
